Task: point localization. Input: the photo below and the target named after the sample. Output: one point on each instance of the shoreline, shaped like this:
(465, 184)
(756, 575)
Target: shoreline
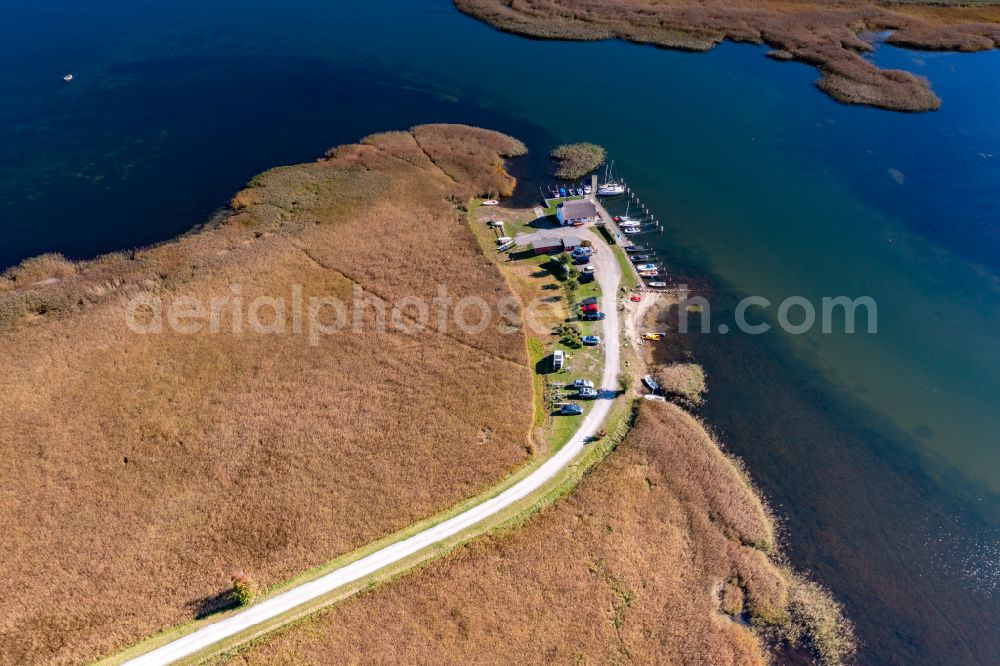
(634, 317)
(828, 38)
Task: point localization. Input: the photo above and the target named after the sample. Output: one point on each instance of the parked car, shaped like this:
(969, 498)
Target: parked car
(570, 409)
(558, 358)
(581, 260)
(594, 316)
(591, 340)
(588, 269)
(582, 251)
(588, 393)
(585, 277)
(583, 383)
(590, 307)
(589, 300)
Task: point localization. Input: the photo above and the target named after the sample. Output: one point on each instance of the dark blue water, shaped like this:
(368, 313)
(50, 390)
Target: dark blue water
(880, 452)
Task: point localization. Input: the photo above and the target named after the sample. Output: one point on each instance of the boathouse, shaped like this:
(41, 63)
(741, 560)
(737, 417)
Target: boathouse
(547, 245)
(576, 212)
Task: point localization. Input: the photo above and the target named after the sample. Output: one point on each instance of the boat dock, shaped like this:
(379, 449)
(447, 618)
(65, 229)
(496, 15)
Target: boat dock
(614, 232)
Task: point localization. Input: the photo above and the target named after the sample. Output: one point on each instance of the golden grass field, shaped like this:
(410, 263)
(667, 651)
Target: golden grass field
(824, 34)
(645, 562)
(140, 471)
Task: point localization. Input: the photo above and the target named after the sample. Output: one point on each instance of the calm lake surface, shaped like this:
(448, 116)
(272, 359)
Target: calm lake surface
(879, 452)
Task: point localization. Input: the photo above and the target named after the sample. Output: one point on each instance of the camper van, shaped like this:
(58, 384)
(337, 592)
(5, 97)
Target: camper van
(558, 358)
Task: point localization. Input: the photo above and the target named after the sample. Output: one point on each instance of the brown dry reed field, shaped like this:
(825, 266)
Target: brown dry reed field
(576, 160)
(140, 471)
(648, 561)
(832, 36)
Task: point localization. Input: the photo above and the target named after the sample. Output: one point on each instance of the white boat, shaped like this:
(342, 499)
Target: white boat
(658, 285)
(632, 230)
(629, 222)
(646, 267)
(650, 383)
(504, 240)
(610, 187)
(68, 77)
(586, 189)
(491, 202)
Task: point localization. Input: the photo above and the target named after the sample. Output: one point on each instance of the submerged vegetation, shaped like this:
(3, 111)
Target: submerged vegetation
(831, 36)
(576, 160)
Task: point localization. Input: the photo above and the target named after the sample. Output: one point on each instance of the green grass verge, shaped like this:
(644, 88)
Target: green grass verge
(629, 278)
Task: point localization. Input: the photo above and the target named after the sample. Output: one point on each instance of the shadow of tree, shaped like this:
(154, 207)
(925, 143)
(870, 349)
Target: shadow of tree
(544, 222)
(213, 604)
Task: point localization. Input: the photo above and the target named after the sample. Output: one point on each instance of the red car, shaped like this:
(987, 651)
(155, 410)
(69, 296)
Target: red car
(589, 308)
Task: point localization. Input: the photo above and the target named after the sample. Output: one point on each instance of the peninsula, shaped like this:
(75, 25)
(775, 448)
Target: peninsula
(162, 478)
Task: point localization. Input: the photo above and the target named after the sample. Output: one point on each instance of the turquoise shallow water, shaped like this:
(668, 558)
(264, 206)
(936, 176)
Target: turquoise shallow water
(879, 451)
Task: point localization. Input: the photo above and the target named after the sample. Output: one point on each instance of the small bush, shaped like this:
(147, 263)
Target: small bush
(576, 160)
(624, 381)
(571, 285)
(244, 589)
(570, 336)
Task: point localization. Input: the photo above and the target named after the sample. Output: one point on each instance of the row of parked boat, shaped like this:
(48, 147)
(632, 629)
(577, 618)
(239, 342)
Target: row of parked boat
(645, 264)
(609, 187)
(569, 191)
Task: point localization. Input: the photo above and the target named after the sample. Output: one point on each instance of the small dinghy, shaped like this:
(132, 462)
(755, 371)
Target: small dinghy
(491, 202)
(68, 77)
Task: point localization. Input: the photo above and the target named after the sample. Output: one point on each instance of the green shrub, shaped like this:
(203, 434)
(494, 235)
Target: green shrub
(570, 336)
(244, 589)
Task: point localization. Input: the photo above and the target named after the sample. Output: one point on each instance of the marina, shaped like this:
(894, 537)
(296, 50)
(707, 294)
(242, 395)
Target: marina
(622, 229)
